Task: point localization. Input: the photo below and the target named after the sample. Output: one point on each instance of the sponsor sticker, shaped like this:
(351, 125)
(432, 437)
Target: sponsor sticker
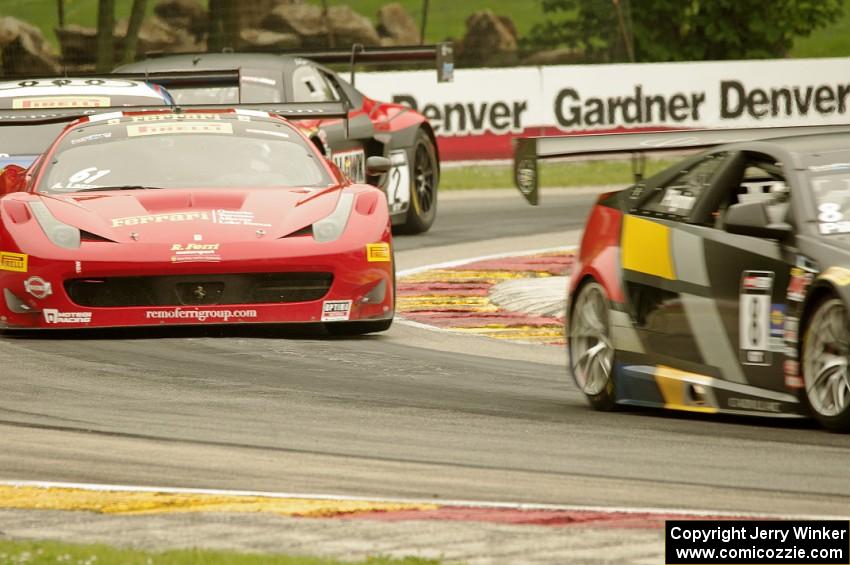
(336, 310)
(92, 137)
(173, 117)
(755, 320)
(195, 252)
(16, 262)
(378, 252)
(38, 287)
(41, 102)
(199, 314)
(352, 164)
(53, 316)
(166, 128)
(236, 218)
(800, 280)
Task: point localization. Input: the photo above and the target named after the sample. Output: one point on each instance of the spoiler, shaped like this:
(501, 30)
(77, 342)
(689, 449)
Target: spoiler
(528, 150)
(441, 53)
(288, 110)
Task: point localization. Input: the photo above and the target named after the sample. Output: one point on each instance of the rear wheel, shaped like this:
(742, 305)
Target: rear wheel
(423, 195)
(826, 352)
(358, 328)
(591, 347)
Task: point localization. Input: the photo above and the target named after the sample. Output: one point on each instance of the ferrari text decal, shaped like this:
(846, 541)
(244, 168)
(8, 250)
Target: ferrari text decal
(378, 252)
(336, 310)
(755, 317)
(198, 314)
(135, 130)
(174, 117)
(16, 262)
(41, 102)
(53, 316)
(352, 164)
(159, 218)
(225, 217)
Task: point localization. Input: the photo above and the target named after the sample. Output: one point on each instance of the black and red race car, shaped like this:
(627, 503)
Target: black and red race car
(721, 284)
(373, 128)
(193, 216)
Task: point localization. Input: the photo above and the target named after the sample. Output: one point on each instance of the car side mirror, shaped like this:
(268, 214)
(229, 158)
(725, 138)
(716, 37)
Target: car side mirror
(376, 165)
(12, 179)
(751, 218)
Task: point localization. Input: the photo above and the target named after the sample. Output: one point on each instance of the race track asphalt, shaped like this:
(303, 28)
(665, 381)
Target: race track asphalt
(409, 413)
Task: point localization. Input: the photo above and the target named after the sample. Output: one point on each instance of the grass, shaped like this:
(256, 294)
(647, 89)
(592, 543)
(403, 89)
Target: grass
(43, 552)
(831, 41)
(565, 174)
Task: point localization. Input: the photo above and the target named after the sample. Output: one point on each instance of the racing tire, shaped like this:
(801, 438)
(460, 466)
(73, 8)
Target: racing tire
(425, 173)
(358, 328)
(825, 360)
(591, 347)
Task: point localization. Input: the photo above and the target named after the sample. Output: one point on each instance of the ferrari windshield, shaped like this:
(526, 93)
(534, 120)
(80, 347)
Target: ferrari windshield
(832, 196)
(187, 150)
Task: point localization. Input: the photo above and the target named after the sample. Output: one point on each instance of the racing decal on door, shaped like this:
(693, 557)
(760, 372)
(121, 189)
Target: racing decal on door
(352, 164)
(398, 182)
(755, 317)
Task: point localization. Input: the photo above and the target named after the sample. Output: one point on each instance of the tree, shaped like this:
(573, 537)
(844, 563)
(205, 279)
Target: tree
(105, 39)
(680, 30)
(137, 14)
(223, 25)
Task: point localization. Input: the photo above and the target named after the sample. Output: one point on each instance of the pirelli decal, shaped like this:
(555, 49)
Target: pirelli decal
(646, 248)
(16, 262)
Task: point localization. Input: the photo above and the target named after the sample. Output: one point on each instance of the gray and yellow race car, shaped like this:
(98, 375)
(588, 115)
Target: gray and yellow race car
(721, 284)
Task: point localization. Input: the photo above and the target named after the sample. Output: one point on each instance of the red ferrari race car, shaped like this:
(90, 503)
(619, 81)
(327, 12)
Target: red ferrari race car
(194, 216)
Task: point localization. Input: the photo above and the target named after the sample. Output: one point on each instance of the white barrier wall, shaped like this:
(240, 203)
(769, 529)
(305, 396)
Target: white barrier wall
(477, 115)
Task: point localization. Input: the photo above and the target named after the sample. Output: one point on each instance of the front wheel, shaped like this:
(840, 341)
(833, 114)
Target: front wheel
(591, 347)
(826, 351)
(423, 194)
(358, 328)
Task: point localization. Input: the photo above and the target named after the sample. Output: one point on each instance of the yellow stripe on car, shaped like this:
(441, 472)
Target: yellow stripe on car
(646, 248)
(675, 385)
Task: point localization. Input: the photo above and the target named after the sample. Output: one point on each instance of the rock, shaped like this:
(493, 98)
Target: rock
(252, 13)
(24, 49)
(263, 39)
(157, 35)
(396, 24)
(78, 44)
(488, 40)
(188, 15)
(304, 20)
(562, 56)
(350, 27)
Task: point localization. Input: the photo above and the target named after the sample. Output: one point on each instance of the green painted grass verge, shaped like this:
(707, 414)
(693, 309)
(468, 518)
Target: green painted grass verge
(43, 552)
(573, 173)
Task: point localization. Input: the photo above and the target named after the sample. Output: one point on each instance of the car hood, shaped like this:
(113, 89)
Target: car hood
(175, 215)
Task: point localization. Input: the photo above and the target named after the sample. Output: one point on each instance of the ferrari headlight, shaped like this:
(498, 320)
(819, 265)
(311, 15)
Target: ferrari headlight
(332, 226)
(59, 233)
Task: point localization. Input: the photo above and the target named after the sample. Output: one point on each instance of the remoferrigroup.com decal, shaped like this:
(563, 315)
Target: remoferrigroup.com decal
(491, 106)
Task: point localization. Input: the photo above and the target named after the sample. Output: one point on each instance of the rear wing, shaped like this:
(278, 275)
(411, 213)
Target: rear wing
(528, 150)
(288, 110)
(441, 53)
(30, 132)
